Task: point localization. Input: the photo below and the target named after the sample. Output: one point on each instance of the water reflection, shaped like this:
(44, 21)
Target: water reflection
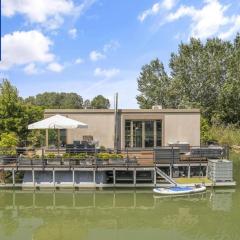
(220, 199)
(120, 214)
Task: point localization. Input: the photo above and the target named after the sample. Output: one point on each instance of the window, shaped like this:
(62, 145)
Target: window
(137, 134)
(149, 133)
(143, 134)
(127, 134)
(159, 133)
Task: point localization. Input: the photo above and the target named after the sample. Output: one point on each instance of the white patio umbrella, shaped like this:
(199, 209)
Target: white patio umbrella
(57, 122)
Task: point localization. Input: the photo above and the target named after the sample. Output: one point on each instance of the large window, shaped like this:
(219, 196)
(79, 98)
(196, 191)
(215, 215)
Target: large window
(143, 133)
(149, 134)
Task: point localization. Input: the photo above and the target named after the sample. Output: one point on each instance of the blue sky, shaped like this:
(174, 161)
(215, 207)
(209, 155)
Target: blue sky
(99, 46)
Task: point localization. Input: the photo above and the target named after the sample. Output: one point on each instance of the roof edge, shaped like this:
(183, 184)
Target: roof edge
(75, 111)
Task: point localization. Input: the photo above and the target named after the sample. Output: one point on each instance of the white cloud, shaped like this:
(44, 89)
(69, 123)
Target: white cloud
(112, 45)
(233, 29)
(21, 48)
(107, 73)
(49, 13)
(156, 8)
(95, 56)
(31, 69)
(98, 55)
(210, 20)
(73, 33)
(39, 11)
(168, 4)
(79, 61)
(55, 67)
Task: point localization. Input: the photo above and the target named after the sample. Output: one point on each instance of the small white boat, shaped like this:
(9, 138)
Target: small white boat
(179, 190)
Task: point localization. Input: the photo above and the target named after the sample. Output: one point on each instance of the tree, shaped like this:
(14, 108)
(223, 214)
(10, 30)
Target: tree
(229, 97)
(153, 85)
(14, 114)
(100, 102)
(56, 100)
(203, 75)
(199, 71)
(87, 104)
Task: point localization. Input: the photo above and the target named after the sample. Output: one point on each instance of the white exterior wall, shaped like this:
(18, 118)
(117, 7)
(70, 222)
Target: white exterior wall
(100, 126)
(183, 127)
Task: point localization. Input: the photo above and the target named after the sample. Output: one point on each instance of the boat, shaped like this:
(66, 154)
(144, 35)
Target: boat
(179, 190)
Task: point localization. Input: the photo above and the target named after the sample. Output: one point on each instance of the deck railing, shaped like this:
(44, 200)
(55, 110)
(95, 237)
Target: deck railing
(125, 157)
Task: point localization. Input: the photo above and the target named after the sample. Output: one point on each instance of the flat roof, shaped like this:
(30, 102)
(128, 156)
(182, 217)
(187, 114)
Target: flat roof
(76, 111)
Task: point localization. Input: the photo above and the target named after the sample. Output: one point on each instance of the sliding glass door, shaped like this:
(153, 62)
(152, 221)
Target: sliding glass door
(143, 133)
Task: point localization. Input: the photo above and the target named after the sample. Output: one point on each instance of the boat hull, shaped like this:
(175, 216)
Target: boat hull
(179, 190)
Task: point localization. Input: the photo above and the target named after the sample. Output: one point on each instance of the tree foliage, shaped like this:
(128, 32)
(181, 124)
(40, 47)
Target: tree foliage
(100, 102)
(15, 115)
(8, 140)
(203, 75)
(153, 85)
(56, 100)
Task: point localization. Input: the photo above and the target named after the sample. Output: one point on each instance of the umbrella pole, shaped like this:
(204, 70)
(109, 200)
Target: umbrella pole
(58, 140)
(46, 138)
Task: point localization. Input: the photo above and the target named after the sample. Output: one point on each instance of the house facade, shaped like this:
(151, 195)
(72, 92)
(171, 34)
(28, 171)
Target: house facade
(133, 128)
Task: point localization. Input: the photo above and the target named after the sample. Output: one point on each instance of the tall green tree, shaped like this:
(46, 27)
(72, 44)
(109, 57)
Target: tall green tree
(203, 75)
(100, 102)
(153, 85)
(199, 71)
(14, 114)
(56, 100)
(229, 97)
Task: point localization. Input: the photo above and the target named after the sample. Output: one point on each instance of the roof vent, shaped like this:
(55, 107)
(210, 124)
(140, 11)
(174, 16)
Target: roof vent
(157, 107)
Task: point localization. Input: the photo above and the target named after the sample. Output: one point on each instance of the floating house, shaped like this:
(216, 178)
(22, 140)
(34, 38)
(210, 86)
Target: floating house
(120, 148)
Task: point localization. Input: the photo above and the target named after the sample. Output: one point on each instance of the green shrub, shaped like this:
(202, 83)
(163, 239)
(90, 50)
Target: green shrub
(81, 156)
(51, 155)
(225, 135)
(102, 149)
(106, 156)
(103, 156)
(8, 140)
(8, 152)
(66, 155)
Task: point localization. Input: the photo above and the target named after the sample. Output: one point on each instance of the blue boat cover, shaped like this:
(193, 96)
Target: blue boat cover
(178, 189)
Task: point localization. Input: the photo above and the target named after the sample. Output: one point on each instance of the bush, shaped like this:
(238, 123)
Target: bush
(66, 155)
(51, 155)
(106, 156)
(8, 140)
(103, 156)
(205, 131)
(8, 152)
(81, 156)
(225, 135)
(76, 156)
(102, 149)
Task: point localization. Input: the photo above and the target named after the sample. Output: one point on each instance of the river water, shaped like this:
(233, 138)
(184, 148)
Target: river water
(121, 214)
